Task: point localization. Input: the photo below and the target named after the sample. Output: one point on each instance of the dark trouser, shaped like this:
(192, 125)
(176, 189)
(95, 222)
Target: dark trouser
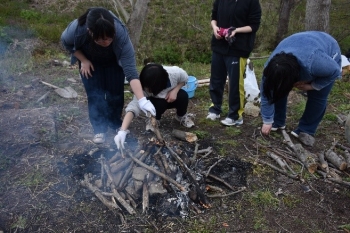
(315, 109)
(180, 104)
(105, 94)
(234, 67)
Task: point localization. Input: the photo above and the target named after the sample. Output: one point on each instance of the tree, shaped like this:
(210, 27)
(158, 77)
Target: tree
(286, 7)
(317, 15)
(134, 20)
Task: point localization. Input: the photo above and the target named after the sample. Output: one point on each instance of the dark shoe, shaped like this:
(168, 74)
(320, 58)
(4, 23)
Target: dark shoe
(306, 139)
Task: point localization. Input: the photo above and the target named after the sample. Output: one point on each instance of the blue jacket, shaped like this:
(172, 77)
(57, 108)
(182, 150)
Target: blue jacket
(74, 36)
(319, 57)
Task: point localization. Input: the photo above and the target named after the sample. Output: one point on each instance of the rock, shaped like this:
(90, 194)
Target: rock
(156, 188)
(139, 173)
(251, 109)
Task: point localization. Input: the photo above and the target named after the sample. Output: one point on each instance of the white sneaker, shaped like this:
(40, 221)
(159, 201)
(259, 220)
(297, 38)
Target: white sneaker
(212, 116)
(185, 120)
(275, 128)
(230, 122)
(99, 138)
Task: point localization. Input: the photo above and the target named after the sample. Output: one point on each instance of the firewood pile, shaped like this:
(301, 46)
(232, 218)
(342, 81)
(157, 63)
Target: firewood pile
(331, 165)
(158, 169)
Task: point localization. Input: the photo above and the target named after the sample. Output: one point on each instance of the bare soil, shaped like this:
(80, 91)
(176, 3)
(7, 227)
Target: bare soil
(43, 155)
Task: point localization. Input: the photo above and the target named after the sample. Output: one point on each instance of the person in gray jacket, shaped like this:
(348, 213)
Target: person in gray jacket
(162, 86)
(101, 44)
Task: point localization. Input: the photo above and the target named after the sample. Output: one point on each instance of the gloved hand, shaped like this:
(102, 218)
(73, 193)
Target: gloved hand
(147, 106)
(119, 139)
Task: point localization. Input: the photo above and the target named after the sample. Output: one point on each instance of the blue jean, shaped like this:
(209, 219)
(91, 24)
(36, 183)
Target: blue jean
(315, 109)
(105, 95)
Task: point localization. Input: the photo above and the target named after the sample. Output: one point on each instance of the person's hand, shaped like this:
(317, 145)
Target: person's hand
(266, 128)
(216, 34)
(171, 96)
(304, 86)
(119, 139)
(146, 106)
(86, 68)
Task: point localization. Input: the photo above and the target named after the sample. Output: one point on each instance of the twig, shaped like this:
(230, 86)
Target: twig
(211, 167)
(221, 180)
(229, 194)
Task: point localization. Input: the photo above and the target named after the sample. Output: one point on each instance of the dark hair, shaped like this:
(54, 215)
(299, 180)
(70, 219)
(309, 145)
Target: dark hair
(154, 77)
(99, 21)
(281, 73)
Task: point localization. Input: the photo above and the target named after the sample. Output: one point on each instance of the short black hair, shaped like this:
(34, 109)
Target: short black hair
(280, 74)
(154, 77)
(99, 21)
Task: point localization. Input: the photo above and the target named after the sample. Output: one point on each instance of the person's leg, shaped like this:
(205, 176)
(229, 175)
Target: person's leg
(180, 104)
(236, 69)
(97, 104)
(115, 95)
(161, 105)
(217, 82)
(314, 110)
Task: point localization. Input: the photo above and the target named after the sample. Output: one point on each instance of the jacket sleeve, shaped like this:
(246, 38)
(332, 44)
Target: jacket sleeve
(68, 35)
(267, 110)
(255, 15)
(125, 51)
(214, 11)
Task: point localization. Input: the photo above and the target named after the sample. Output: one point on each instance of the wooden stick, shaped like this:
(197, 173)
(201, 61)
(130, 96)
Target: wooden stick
(277, 159)
(115, 192)
(336, 160)
(229, 194)
(98, 193)
(211, 167)
(346, 155)
(301, 153)
(179, 186)
(145, 195)
(221, 180)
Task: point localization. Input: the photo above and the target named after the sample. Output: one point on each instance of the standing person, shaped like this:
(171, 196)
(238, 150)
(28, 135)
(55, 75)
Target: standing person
(162, 86)
(101, 43)
(309, 61)
(234, 23)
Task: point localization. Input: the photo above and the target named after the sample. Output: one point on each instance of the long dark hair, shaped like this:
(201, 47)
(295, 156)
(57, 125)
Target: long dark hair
(154, 77)
(280, 74)
(99, 21)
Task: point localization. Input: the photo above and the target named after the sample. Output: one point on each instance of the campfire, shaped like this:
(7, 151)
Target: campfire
(178, 179)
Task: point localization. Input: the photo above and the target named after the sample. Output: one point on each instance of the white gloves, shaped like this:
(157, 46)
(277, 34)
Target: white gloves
(119, 139)
(147, 106)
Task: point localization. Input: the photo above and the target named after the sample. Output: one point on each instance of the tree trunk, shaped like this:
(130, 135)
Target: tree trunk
(286, 7)
(136, 20)
(317, 15)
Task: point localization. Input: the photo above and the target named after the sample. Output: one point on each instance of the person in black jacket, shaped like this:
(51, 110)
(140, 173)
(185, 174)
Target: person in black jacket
(234, 23)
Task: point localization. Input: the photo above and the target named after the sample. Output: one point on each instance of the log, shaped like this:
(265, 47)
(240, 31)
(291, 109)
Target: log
(120, 165)
(185, 136)
(303, 155)
(179, 186)
(277, 159)
(336, 160)
(323, 162)
(145, 195)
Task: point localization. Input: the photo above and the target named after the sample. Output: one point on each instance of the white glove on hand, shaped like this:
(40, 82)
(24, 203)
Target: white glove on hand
(119, 139)
(147, 106)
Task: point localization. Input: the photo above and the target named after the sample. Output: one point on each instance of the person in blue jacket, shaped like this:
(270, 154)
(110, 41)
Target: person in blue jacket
(101, 44)
(309, 61)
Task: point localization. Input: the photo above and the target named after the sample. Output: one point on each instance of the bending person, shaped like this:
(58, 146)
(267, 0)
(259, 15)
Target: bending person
(162, 86)
(309, 61)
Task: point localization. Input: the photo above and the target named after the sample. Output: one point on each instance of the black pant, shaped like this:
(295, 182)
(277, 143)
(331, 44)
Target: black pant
(105, 94)
(161, 105)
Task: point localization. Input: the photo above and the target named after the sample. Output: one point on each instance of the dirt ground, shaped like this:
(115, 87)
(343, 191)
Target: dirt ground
(45, 140)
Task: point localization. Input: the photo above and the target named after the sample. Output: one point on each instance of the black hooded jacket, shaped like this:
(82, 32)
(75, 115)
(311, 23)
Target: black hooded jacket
(236, 13)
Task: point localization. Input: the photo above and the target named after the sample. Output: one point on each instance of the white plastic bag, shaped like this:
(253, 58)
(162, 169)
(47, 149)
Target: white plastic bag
(251, 88)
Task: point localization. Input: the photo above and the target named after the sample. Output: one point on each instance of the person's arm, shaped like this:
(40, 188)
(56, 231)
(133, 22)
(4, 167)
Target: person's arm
(119, 139)
(215, 28)
(267, 111)
(172, 94)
